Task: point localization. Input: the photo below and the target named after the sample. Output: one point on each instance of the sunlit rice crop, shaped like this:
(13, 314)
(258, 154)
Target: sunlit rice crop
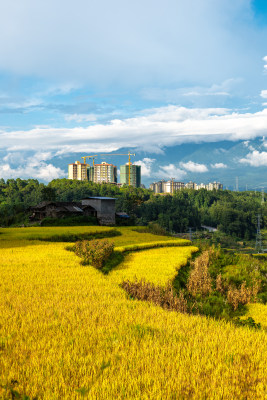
(259, 313)
(155, 265)
(68, 330)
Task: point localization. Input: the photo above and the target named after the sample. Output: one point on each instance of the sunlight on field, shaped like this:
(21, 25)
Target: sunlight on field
(130, 236)
(46, 231)
(68, 330)
(259, 313)
(156, 265)
(34, 233)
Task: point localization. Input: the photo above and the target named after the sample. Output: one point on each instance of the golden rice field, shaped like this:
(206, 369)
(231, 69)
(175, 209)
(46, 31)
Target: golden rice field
(35, 232)
(69, 332)
(259, 313)
(128, 237)
(147, 264)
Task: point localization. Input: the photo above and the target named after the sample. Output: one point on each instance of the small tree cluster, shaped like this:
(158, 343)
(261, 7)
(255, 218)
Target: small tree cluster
(164, 297)
(95, 252)
(243, 295)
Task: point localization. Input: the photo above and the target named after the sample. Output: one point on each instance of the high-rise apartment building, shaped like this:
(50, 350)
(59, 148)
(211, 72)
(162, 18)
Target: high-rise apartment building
(172, 186)
(191, 185)
(105, 173)
(135, 175)
(214, 185)
(77, 171)
(157, 187)
(90, 173)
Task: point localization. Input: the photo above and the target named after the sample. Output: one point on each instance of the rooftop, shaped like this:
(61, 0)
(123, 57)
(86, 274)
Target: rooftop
(99, 198)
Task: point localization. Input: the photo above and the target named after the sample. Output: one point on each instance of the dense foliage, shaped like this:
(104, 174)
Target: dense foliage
(215, 284)
(219, 284)
(234, 213)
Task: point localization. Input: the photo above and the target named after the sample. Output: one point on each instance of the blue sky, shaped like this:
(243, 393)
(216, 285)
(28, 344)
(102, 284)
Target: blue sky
(183, 84)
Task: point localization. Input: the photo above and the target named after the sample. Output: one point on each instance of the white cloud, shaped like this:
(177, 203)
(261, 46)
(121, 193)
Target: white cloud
(146, 165)
(255, 159)
(14, 158)
(47, 172)
(264, 94)
(32, 167)
(194, 167)
(219, 165)
(155, 129)
(248, 145)
(80, 117)
(265, 65)
(170, 171)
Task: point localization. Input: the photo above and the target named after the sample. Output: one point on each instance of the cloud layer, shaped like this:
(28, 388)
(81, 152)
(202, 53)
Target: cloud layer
(150, 131)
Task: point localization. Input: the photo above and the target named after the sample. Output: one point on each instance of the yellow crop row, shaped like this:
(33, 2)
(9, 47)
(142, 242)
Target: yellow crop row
(157, 244)
(158, 265)
(47, 231)
(128, 236)
(67, 330)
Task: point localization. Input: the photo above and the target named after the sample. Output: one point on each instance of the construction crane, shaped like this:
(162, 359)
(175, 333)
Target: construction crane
(129, 154)
(93, 157)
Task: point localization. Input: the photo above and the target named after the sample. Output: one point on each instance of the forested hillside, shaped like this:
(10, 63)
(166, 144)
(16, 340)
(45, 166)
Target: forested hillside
(234, 213)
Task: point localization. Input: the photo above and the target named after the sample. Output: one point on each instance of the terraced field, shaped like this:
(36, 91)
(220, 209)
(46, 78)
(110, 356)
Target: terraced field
(69, 332)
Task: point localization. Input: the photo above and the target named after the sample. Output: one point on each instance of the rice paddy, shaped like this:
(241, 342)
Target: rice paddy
(69, 332)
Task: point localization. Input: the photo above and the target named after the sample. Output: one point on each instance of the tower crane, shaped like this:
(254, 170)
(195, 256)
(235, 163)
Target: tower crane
(129, 154)
(93, 157)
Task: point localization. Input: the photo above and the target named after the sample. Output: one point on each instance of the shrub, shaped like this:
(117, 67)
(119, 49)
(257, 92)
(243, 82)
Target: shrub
(95, 252)
(164, 297)
(220, 285)
(243, 296)
(247, 322)
(199, 281)
(74, 237)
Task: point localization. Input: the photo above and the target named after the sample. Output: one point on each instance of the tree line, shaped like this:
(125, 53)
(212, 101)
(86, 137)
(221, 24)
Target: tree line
(234, 213)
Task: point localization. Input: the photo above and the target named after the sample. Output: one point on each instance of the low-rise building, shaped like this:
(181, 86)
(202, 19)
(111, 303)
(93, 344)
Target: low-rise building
(55, 209)
(103, 208)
